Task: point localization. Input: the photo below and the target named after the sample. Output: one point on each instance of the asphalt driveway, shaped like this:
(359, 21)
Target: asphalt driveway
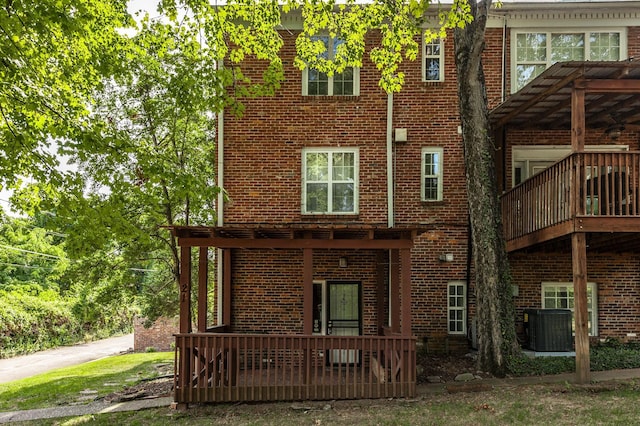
(41, 362)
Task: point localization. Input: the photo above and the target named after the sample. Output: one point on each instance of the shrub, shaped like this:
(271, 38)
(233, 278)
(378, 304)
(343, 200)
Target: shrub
(609, 355)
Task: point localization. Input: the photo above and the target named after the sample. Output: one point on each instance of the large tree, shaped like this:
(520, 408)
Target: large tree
(53, 56)
(495, 311)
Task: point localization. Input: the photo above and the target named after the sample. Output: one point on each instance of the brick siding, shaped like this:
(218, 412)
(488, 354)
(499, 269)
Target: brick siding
(159, 336)
(263, 154)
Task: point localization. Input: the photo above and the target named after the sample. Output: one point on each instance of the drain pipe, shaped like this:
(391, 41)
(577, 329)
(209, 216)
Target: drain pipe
(390, 192)
(220, 211)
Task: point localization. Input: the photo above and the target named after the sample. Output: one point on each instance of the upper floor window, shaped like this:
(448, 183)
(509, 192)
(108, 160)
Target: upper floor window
(432, 60)
(431, 174)
(316, 83)
(330, 180)
(536, 51)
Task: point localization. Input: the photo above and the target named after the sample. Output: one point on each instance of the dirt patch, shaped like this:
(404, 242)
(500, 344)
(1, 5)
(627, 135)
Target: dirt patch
(446, 367)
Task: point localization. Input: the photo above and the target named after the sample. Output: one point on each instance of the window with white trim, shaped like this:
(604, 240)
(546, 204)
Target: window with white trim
(560, 296)
(431, 174)
(457, 307)
(316, 83)
(330, 180)
(432, 60)
(535, 51)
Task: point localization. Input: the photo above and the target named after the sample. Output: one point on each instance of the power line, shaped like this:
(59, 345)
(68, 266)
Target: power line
(58, 257)
(30, 252)
(24, 266)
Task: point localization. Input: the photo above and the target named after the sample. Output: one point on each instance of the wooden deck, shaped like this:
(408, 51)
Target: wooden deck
(584, 192)
(246, 367)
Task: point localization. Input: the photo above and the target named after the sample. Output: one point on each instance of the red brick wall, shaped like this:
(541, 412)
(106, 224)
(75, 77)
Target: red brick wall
(263, 152)
(159, 336)
(617, 277)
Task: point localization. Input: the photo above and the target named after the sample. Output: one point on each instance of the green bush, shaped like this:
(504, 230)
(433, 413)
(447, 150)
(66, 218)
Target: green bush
(33, 319)
(609, 355)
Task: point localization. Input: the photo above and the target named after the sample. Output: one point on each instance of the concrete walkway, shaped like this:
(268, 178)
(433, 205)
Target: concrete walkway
(423, 392)
(21, 367)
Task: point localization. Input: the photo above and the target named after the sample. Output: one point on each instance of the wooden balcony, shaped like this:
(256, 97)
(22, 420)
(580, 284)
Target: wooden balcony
(257, 367)
(589, 192)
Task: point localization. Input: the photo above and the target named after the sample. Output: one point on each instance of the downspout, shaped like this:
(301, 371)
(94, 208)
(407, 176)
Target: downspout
(220, 211)
(390, 191)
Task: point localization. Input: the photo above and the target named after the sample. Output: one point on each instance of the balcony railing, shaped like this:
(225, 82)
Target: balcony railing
(587, 184)
(247, 367)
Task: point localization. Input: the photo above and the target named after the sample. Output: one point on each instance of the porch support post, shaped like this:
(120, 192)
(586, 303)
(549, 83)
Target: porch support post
(579, 260)
(307, 302)
(226, 287)
(577, 118)
(405, 273)
(381, 280)
(203, 279)
(185, 289)
(394, 296)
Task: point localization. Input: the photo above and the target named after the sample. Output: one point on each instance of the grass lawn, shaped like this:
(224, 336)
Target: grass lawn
(81, 382)
(558, 404)
(504, 403)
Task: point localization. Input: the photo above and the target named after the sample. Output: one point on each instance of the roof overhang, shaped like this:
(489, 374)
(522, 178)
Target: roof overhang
(296, 236)
(612, 97)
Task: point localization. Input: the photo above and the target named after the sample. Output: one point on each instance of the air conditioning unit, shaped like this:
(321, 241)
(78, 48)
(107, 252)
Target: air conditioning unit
(548, 330)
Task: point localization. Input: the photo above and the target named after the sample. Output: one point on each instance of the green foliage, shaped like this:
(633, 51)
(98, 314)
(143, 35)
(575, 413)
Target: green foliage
(54, 54)
(46, 299)
(610, 355)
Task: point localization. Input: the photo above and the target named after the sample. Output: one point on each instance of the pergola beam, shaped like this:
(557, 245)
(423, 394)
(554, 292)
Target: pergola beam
(300, 243)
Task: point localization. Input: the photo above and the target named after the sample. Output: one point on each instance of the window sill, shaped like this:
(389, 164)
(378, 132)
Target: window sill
(433, 203)
(330, 216)
(334, 98)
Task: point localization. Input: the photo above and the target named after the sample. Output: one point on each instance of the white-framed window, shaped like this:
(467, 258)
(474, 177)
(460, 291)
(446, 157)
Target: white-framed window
(559, 295)
(536, 50)
(457, 307)
(431, 174)
(330, 180)
(316, 83)
(432, 60)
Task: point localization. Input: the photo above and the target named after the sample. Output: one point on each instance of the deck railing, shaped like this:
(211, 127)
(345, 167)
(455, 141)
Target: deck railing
(581, 184)
(243, 367)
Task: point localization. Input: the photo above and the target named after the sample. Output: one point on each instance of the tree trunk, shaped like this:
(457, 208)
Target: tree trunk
(494, 302)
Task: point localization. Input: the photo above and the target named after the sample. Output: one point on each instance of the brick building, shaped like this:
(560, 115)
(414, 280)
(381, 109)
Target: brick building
(347, 212)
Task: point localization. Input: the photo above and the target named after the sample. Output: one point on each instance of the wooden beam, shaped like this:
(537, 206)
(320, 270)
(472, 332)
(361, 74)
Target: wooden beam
(307, 303)
(226, 287)
(185, 290)
(579, 260)
(276, 243)
(405, 273)
(381, 287)
(577, 120)
(609, 85)
(203, 280)
(394, 296)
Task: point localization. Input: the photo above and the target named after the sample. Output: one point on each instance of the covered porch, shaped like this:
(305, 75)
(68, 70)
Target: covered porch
(587, 201)
(222, 362)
